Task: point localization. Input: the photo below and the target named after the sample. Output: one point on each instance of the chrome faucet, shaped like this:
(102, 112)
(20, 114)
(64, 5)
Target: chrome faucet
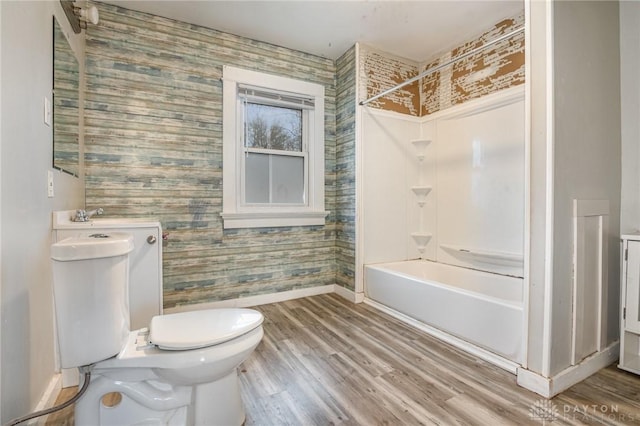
(84, 216)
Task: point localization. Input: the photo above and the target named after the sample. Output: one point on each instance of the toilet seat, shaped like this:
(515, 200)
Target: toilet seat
(140, 352)
(199, 329)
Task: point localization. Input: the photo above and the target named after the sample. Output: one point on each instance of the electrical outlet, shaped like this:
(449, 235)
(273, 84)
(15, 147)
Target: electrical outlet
(49, 183)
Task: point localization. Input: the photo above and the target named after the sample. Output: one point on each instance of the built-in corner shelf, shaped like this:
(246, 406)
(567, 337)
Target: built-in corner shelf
(421, 147)
(421, 240)
(421, 193)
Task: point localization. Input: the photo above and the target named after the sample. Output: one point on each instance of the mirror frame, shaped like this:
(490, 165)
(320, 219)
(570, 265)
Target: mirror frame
(65, 104)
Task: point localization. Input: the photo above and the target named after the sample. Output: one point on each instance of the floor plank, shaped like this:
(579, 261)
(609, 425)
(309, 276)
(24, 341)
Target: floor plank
(326, 361)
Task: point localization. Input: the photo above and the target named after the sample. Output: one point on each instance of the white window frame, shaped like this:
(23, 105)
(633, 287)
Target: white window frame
(237, 214)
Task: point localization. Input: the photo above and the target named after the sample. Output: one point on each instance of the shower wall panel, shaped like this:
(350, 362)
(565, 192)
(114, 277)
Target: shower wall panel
(480, 199)
(390, 167)
(473, 214)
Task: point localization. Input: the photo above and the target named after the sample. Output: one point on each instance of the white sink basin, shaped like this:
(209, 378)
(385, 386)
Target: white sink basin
(63, 220)
(92, 247)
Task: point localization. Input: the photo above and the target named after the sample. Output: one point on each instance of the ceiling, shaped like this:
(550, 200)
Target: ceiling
(416, 30)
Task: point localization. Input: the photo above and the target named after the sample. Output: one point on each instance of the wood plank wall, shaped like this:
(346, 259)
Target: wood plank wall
(153, 128)
(345, 168)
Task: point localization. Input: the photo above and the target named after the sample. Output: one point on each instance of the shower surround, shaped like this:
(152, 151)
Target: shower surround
(442, 180)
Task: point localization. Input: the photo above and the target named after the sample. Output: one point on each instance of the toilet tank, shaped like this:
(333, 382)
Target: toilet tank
(90, 278)
(145, 261)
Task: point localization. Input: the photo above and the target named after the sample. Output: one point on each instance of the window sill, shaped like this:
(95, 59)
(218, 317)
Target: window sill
(272, 219)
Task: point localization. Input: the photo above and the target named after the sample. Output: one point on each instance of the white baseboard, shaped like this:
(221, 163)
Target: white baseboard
(533, 382)
(70, 377)
(261, 299)
(549, 387)
(350, 295)
(483, 354)
(48, 399)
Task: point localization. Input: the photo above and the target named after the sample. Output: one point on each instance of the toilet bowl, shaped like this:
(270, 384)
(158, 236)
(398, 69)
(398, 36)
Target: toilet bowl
(182, 370)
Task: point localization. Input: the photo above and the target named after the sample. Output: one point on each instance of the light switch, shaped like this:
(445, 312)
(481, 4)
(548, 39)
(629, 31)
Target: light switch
(49, 183)
(47, 111)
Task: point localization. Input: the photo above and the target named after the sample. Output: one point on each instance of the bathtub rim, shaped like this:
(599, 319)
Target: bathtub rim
(493, 299)
(461, 344)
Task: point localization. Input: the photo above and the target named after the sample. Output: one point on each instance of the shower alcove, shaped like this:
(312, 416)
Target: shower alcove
(443, 221)
(440, 185)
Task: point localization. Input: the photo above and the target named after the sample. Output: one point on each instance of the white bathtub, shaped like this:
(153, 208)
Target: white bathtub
(481, 308)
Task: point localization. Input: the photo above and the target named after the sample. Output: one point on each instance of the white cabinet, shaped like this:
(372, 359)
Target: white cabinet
(145, 281)
(630, 305)
(145, 273)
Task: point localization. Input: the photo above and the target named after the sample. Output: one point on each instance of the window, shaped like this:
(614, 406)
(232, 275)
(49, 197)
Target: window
(273, 151)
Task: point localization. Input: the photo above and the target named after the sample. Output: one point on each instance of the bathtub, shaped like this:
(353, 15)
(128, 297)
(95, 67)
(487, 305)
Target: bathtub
(476, 307)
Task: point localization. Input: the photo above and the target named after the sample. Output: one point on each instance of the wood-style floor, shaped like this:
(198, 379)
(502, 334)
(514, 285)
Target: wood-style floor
(326, 361)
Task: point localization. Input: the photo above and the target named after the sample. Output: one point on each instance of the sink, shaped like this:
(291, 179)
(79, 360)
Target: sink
(94, 246)
(63, 220)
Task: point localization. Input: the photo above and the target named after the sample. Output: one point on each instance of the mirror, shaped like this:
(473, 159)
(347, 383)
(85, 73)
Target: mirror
(66, 99)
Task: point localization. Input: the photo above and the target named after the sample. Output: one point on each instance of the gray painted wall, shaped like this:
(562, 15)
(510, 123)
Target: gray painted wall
(630, 110)
(27, 346)
(586, 151)
(584, 139)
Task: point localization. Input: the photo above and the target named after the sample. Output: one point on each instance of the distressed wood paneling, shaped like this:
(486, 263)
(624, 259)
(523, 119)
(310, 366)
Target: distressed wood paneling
(381, 71)
(153, 147)
(345, 198)
(498, 67)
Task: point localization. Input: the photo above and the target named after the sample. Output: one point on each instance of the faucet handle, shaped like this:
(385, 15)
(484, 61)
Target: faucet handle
(81, 216)
(84, 216)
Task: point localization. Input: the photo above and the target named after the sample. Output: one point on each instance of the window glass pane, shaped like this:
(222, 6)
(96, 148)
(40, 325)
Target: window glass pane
(278, 178)
(273, 127)
(256, 178)
(287, 179)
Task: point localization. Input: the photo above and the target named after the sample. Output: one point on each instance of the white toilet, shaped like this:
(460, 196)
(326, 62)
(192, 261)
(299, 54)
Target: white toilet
(182, 370)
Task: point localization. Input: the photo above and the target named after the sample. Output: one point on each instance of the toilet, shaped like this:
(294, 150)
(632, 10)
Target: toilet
(181, 370)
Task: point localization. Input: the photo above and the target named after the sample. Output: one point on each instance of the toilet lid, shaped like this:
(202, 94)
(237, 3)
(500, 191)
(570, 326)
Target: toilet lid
(198, 329)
